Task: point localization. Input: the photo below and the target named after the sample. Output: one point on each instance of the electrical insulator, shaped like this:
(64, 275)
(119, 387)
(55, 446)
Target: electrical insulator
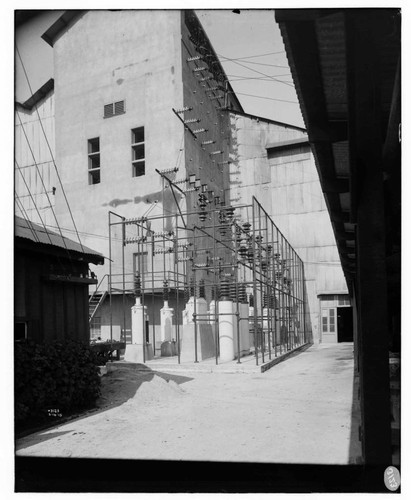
(243, 249)
(233, 291)
(230, 213)
(224, 290)
(202, 216)
(206, 78)
(186, 294)
(192, 287)
(250, 255)
(182, 110)
(199, 68)
(216, 153)
(194, 58)
(205, 143)
(216, 97)
(192, 120)
(165, 290)
(246, 227)
(200, 130)
(242, 293)
(137, 285)
(201, 289)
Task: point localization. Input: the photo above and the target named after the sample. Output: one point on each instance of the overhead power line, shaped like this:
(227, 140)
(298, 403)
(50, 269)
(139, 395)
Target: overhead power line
(252, 57)
(261, 73)
(269, 98)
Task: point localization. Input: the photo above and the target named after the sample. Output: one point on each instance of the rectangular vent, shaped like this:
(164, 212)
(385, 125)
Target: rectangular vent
(119, 107)
(114, 109)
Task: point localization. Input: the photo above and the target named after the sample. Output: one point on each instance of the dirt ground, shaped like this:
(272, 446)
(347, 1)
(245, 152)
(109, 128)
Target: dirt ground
(300, 411)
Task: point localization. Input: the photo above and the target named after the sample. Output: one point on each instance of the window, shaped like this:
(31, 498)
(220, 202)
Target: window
(138, 152)
(332, 320)
(94, 161)
(114, 109)
(20, 331)
(328, 320)
(344, 300)
(95, 328)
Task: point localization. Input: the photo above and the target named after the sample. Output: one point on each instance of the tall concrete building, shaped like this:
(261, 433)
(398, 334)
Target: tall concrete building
(140, 97)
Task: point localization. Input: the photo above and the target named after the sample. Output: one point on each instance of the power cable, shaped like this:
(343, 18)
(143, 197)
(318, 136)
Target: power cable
(252, 57)
(260, 72)
(269, 98)
(32, 199)
(44, 187)
(51, 153)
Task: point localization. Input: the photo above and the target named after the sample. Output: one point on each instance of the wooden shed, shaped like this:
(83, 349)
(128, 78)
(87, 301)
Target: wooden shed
(51, 278)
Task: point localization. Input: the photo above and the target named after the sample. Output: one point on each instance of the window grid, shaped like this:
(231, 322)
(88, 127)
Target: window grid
(138, 152)
(94, 161)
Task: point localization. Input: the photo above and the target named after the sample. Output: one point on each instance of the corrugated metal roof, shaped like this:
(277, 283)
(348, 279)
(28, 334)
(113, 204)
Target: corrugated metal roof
(38, 234)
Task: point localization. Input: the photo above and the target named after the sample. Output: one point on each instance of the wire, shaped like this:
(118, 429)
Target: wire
(260, 72)
(269, 98)
(236, 59)
(262, 78)
(51, 153)
(32, 199)
(252, 57)
(257, 63)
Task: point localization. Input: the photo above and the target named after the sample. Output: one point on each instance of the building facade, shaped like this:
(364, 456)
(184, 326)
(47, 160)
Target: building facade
(273, 161)
(141, 102)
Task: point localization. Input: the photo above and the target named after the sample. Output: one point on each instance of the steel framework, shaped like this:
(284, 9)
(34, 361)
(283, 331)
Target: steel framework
(217, 251)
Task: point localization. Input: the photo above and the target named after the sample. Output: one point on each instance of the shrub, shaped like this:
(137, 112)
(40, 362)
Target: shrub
(61, 376)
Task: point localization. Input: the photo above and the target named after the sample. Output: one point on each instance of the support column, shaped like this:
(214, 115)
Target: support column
(366, 144)
(135, 351)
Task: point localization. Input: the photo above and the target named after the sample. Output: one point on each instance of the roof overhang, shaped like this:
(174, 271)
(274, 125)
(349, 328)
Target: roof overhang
(320, 46)
(63, 22)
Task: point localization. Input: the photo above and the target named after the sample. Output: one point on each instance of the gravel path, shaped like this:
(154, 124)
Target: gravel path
(297, 412)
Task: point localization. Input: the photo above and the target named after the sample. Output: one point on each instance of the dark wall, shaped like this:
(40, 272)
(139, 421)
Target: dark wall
(52, 309)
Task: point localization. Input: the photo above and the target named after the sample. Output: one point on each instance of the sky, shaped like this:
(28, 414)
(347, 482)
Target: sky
(251, 52)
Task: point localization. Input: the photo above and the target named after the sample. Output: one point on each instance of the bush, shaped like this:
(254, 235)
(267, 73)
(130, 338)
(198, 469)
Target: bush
(54, 378)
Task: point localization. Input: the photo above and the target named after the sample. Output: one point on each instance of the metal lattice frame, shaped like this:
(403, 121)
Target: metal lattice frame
(219, 250)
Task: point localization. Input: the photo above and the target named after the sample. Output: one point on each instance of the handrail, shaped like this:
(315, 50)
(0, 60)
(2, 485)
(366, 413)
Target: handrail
(97, 287)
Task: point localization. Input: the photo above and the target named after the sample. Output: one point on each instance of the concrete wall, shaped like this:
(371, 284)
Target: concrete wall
(103, 58)
(31, 149)
(286, 183)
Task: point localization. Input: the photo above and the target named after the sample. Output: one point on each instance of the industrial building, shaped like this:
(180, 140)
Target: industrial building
(138, 133)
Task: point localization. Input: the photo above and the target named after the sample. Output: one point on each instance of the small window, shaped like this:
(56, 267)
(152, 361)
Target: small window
(94, 161)
(114, 109)
(20, 331)
(138, 152)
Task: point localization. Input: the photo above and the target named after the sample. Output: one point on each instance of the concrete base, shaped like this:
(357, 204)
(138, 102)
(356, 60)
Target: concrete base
(205, 342)
(134, 353)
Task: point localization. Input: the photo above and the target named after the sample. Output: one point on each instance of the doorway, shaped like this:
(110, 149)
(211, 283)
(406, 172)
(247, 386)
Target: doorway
(345, 324)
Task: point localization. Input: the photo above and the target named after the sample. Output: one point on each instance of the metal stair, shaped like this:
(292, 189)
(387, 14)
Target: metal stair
(96, 299)
(94, 303)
